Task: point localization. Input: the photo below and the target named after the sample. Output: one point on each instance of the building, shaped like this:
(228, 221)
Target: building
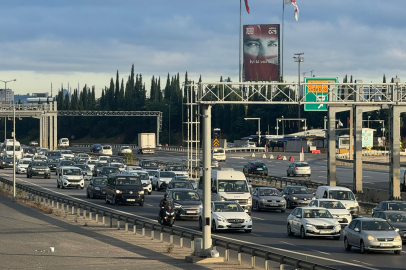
(6, 96)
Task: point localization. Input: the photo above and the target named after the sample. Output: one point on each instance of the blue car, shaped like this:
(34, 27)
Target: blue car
(255, 167)
(96, 148)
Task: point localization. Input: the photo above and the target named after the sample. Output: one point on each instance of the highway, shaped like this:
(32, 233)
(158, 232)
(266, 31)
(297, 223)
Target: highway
(269, 227)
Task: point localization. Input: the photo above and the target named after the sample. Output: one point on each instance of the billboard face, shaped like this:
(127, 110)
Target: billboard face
(261, 52)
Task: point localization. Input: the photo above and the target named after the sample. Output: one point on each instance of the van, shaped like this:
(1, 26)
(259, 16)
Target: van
(70, 176)
(8, 148)
(63, 142)
(229, 185)
(106, 150)
(344, 195)
(124, 188)
(219, 154)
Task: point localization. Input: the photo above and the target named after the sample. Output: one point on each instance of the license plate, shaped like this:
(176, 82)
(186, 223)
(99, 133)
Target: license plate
(324, 231)
(273, 204)
(235, 225)
(191, 212)
(385, 244)
(130, 200)
(40, 172)
(259, 169)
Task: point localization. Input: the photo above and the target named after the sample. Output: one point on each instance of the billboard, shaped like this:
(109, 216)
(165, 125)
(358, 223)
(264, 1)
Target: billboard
(261, 52)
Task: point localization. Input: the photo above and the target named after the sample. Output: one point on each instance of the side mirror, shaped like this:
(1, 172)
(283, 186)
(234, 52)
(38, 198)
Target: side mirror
(298, 216)
(356, 230)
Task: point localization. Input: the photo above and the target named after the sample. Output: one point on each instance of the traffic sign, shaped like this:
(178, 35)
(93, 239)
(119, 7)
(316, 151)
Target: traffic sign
(216, 143)
(317, 93)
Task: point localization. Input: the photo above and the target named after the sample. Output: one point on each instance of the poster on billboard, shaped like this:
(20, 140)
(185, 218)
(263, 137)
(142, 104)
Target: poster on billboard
(261, 52)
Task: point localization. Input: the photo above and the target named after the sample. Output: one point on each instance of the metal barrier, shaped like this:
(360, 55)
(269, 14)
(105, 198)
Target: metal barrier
(89, 209)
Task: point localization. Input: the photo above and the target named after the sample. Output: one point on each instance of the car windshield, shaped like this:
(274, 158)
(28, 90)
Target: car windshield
(332, 205)
(83, 166)
(66, 163)
(175, 168)
(218, 151)
(181, 185)
(149, 164)
(10, 148)
(185, 196)
(125, 147)
(151, 173)
(396, 217)
(100, 164)
(103, 158)
(54, 154)
(302, 165)
(53, 160)
(341, 195)
(107, 147)
(258, 164)
(400, 206)
(232, 185)
(119, 160)
(99, 181)
(110, 170)
(316, 213)
(227, 207)
(25, 162)
(167, 174)
(38, 164)
(128, 181)
(376, 225)
(66, 152)
(118, 165)
(269, 192)
(299, 190)
(91, 162)
(142, 175)
(72, 172)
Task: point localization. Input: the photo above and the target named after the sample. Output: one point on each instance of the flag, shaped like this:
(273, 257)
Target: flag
(246, 6)
(340, 123)
(292, 2)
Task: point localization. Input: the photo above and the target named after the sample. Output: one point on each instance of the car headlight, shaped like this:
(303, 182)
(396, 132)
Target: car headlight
(371, 238)
(141, 192)
(336, 216)
(313, 198)
(118, 191)
(248, 219)
(31, 168)
(262, 200)
(96, 188)
(294, 198)
(398, 238)
(249, 200)
(338, 227)
(309, 225)
(176, 205)
(221, 219)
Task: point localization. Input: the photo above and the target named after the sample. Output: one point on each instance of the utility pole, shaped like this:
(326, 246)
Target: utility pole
(299, 58)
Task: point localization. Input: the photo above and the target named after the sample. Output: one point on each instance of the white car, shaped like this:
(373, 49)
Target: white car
(22, 165)
(313, 221)
(145, 179)
(103, 159)
(133, 167)
(298, 168)
(70, 176)
(179, 170)
(124, 150)
(106, 150)
(336, 208)
(161, 180)
(91, 163)
(228, 215)
(39, 157)
(67, 153)
(120, 166)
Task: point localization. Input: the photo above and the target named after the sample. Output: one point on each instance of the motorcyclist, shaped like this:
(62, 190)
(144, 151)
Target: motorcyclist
(163, 204)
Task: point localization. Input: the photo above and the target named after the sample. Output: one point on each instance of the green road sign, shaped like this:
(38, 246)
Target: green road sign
(317, 93)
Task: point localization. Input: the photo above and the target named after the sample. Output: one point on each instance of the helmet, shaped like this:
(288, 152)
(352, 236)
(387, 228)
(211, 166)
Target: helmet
(165, 196)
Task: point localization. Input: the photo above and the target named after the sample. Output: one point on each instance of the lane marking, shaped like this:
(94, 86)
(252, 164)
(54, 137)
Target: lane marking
(362, 262)
(256, 234)
(305, 248)
(257, 218)
(148, 204)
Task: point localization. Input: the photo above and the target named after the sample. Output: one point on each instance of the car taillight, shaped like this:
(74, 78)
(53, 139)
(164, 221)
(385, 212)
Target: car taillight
(295, 168)
(252, 166)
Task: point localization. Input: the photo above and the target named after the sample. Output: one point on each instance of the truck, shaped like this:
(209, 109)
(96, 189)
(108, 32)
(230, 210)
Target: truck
(8, 148)
(146, 143)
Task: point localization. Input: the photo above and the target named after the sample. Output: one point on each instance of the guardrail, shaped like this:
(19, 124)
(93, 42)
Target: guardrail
(108, 216)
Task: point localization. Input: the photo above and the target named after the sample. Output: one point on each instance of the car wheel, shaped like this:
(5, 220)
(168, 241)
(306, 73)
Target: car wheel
(82, 187)
(149, 192)
(113, 201)
(258, 208)
(200, 223)
(289, 205)
(283, 210)
(213, 226)
(289, 230)
(347, 245)
(287, 174)
(63, 187)
(107, 201)
(248, 231)
(57, 184)
(397, 252)
(49, 176)
(141, 203)
(336, 237)
(87, 194)
(362, 248)
(27, 176)
(302, 233)
(93, 197)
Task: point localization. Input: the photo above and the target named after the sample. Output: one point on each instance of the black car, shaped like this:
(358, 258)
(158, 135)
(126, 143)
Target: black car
(54, 154)
(390, 205)
(255, 167)
(96, 148)
(179, 184)
(6, 162)
(297, 196)
(63, 163)
(97, 187)
(149, 164)
(396, 218)
(107, 170)
(125, 189)
(98, 167)
(38, 168)
(53, 163)
(187, 203)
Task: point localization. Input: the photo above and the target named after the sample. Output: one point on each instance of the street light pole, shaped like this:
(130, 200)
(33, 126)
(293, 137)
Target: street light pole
(298, 58)
(259, 127)
(368, 120)
(14, 152)
(5, 118)
(169, 126)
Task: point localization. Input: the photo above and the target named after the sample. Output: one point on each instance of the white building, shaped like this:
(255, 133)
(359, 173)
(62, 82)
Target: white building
(6, 96)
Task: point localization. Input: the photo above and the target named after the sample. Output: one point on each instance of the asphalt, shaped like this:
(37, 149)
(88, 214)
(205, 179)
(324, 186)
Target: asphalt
(27, 235)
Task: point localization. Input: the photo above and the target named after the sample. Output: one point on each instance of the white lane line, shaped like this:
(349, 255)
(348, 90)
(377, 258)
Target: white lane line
(256, 234)
(322, 176)
(362, 262)
(148, 204)
(257, 218)
(305, 248)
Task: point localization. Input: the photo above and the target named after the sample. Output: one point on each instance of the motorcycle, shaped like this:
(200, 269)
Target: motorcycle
(168, 216)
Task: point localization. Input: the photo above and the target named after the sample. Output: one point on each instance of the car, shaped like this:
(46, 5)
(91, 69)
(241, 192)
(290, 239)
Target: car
(63, 163)
(39, 157)
(145, 179)
(395, 218)
(187, 203)
(125, 189)
(336, 208)
(97, 168)
(215, 164)
(87, 173)
(38, 168)
(107, 170)
(106, 150)
(96, 187)
(54, 154)
(161, 180)
(96, 148)
(63, 142)
(133, 167)
(265, 198)
(70, 176)
(179, 184)
(118, 165)
(7, 161)
(123, 150)
(149, 164)
(22, 165)
(91, 163)
(343, 194)
(228, 215)
(299, 168)
(255, 167)
(80, 160)
(115, 160)
(219, 154)
(177, 169)
(67, 153)
(372, 234)
(28, 156)
(313, 221)
(297, 196)
(53, 163)
(33, 143)
(390, 205)
(104, 159)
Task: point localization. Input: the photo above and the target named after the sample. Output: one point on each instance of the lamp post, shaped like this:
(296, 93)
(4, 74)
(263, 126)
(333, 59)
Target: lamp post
(14, 152)
(368, 120)
(299, 58)
(259, 127)
(5, 118)
(169, 126)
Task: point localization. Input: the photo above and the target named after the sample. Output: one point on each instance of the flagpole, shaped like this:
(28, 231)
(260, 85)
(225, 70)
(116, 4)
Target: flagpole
(240, 46)
(283, 35)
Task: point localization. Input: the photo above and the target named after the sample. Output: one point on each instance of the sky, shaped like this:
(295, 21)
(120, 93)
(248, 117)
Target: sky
(44, 42)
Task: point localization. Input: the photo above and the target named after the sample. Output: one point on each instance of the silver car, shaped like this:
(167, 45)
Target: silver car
(298, 168)
(372, 234)
(265, 198)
